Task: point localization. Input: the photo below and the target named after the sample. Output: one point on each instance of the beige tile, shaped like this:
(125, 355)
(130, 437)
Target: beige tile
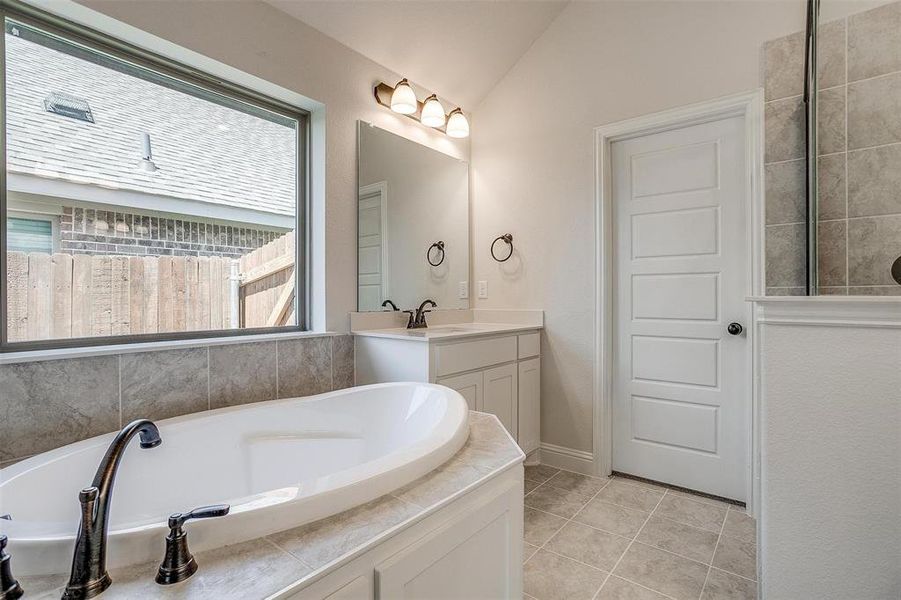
(692, 512)
(48, 404)
(540, 526)
(785, 192)
(168, 383)
(726, 586)
(342, 361)
(528, 550)
(874, 243)
(874, 112)
(563, 503)
(588, 545)
(540, 473)
(612, 518)
(663, 571)
(691, 542)
(447, 479)
(785, 252)
(702, 499)
(784, 123)
(832, 291)
(620, 589)
(317, 543)
(304, 367)
(661, 487)
(736, 556)
(832, 253)
(582, 484)
(831, 189)
(551, 577)
(830, 54)
(783, 65)
(630, 496)
(874, 42)
(831, 121)
(529, 485)
(785, 291)
(875, 290)
(242, 373)
(874, 178)
(740, 525)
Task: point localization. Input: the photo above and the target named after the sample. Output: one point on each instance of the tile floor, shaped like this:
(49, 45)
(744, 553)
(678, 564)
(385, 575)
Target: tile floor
(620, 539)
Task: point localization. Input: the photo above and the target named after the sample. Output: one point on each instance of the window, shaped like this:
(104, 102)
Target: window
(176, 201)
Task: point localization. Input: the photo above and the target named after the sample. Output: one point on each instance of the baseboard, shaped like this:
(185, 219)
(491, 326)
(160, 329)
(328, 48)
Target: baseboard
(568, 459)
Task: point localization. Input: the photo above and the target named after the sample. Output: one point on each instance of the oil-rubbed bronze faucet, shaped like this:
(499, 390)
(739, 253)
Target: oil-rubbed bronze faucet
(9, 587)
(89, 577)
(417, 320)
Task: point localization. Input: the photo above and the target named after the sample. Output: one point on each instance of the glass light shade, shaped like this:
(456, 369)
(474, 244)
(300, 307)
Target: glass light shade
(403, 99)
(432, 112)
(457, 125)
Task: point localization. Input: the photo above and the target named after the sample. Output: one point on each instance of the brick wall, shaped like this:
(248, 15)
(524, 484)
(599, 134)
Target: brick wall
(89, 231)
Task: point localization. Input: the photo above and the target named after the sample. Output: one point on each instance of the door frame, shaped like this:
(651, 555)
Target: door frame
(749, 106)
(380, 188)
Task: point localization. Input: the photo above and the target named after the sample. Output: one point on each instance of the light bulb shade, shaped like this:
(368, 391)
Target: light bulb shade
(432, 112)
(457, 125)
(403, 99)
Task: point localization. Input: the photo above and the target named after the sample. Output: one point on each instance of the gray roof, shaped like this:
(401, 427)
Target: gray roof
(204, 151)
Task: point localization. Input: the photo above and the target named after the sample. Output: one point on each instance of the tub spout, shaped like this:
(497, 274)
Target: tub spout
(89, 577)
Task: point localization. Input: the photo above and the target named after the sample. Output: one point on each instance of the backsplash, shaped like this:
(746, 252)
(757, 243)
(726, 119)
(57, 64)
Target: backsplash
(859, 156)
(51, 403)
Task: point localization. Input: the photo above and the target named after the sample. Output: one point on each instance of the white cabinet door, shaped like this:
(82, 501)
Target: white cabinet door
(529, 404)
(499, 395)
(469, 386)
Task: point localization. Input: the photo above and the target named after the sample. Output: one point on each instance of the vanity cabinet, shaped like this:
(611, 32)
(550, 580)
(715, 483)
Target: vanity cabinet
(496, 373)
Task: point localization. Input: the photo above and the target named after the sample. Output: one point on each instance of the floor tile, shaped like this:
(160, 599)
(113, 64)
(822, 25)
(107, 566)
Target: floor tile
(620, 589)
(736, 556)
(540, 473)
(630, 496)
(548, 576)
(692, 512)
(612, 518)
(529, 485)
(726, 586)
(690, 542)
(540, 526)
(528, 551)
(559, 502)
(642, 483)
(576, 482)
(662, 571)
(740, 525)
(588, 545)
(703, 499)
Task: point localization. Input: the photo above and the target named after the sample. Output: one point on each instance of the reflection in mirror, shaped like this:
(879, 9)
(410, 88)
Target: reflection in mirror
(413, 225)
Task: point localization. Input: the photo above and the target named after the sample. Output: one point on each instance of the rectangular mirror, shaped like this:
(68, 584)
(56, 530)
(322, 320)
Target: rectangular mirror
(413, 224)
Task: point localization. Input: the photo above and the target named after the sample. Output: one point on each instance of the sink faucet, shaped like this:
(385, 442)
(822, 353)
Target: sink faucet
(386, 303)
(417, 320)
(89, 577)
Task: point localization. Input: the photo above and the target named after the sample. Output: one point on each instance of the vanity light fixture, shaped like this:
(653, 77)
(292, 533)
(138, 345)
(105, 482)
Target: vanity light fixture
(402, 99)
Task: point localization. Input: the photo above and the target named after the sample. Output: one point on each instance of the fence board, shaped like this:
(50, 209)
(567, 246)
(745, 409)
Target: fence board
(179, 294)
(151, 294)
(192, 294)
(167, 295)
(120, 307)
(136, 294)
(17, 296)
(203, 296)
(61, 267)
(40, 295)
(81, 295)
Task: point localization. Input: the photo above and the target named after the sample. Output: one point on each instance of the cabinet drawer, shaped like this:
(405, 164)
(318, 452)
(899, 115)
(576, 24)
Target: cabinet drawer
(466, 356)
(529, 345)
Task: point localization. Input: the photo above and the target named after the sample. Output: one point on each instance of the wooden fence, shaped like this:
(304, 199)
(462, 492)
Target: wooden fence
(62, 296)
(267, 284)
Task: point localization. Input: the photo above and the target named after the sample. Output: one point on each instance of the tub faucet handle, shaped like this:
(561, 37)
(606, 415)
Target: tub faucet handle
(179, 563)
(9, 587)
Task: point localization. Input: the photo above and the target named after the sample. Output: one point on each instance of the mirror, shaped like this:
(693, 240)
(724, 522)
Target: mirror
(412, 225)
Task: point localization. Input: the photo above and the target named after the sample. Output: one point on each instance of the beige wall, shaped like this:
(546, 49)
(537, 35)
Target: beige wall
(262, 41)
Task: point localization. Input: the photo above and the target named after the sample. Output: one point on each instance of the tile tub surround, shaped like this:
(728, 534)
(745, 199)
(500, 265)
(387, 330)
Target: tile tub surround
(288, 558)
(51, 403)
(859, 156)
(613, 538)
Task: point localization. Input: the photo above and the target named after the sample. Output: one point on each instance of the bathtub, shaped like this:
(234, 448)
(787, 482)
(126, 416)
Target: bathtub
(279, 464)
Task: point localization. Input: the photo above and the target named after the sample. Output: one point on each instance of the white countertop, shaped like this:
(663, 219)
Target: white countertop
(447, 332)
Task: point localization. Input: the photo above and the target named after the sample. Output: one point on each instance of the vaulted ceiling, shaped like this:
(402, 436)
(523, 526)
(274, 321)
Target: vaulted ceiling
(458, 50)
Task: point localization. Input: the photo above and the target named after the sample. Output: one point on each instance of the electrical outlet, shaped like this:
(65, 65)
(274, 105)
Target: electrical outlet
(483, 289)
(463, 290)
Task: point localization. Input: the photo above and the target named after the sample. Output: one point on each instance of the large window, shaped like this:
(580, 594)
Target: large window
(142, 200)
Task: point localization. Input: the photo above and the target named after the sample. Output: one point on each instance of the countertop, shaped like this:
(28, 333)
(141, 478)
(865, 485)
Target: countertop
(446, 332)
(265, 567)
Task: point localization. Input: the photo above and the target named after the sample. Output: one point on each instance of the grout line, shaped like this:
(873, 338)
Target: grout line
(289, 553)
(715, 548)
(119, 371)
(847, 146)
(278, 390)
(209, 399)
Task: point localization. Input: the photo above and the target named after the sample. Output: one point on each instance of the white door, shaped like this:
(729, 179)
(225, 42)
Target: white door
(681, 386)
(372, 247)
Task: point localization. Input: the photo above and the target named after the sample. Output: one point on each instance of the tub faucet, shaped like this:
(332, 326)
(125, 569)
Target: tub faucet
(89, 577)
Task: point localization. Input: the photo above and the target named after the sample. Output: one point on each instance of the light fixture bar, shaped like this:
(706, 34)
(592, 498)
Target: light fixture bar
(383, 93)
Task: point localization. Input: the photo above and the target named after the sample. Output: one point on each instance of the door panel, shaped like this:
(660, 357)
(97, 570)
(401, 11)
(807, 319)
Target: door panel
(529, 385)
(469, 386)
(681, 386)
(500, 395)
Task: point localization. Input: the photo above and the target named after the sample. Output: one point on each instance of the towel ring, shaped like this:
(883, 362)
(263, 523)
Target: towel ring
(508, 238)
(428, 253)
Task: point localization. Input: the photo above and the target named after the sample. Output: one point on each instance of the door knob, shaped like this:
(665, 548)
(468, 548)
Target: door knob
(735, 328)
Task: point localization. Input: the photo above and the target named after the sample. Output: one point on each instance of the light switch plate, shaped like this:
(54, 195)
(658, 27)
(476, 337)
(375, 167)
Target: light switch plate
(483, 289)
(463, 290)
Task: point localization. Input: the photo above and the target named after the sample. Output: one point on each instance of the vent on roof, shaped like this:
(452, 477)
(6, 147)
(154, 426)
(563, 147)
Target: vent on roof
(68, 106)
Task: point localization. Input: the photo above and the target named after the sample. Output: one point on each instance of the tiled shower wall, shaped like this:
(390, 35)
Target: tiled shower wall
(859, 156)
(48, 404)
